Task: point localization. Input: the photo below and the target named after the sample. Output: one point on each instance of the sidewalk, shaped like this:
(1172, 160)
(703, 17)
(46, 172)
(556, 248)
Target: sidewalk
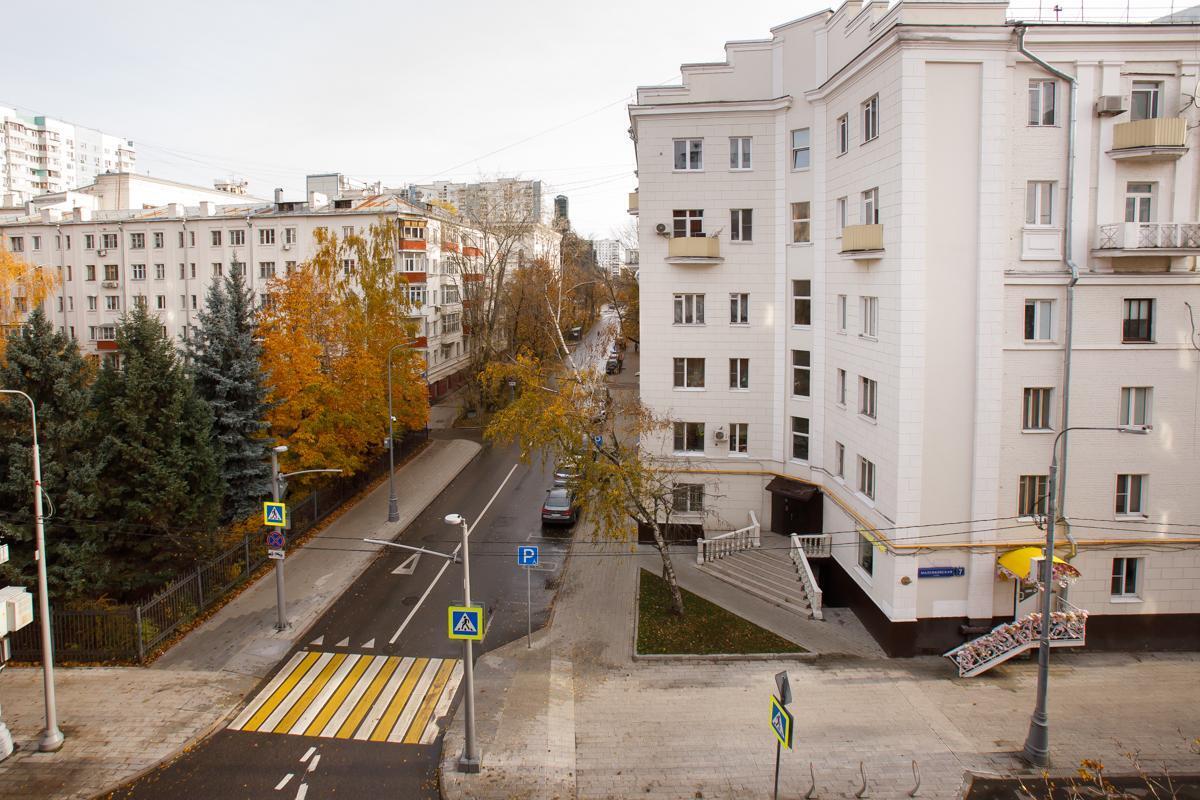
(576, 717)
(122, 721)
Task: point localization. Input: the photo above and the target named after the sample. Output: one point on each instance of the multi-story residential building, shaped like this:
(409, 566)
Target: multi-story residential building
(536, 200)
(610, 255)
(166, 256)
(42, 154)
(888, 255)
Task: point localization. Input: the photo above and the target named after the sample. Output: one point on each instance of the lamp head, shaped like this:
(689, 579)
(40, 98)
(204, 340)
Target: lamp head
(281, 448)
(1141, 430)
(454, 519)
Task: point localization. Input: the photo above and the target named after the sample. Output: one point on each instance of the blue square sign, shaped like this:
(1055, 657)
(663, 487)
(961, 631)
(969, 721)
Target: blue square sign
(527, 555)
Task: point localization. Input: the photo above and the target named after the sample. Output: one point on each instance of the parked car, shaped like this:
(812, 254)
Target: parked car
(564, 471)
(559, 507)
(612, 365)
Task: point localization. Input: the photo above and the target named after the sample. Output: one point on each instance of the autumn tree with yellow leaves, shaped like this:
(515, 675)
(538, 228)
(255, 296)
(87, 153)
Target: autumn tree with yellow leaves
(326, 331)
(23, 287)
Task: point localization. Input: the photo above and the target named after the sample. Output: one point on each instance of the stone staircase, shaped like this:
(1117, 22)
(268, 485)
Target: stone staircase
(1068, 628)
(768, 573)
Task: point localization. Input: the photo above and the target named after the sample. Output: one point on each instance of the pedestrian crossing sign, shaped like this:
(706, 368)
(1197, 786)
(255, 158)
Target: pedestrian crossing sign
(781, 722)
(275, 515)
(466, 622)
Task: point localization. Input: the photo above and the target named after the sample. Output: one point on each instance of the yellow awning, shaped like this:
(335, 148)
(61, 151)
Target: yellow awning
(1019, 563)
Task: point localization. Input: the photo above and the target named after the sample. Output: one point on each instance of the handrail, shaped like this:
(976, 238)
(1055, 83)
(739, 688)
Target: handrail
(1068, 627)
(717, 547)
(807, 579)
(816, 545)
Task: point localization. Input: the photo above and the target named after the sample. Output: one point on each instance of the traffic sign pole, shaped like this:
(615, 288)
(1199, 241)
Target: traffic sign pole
(281, 623)
(528, 611)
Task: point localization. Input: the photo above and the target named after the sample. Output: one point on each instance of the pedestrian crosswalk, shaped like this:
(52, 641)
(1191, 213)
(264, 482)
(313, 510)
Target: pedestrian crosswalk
(352, 696)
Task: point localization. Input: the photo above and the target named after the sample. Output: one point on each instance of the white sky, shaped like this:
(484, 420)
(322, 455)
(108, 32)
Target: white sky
(391, 91)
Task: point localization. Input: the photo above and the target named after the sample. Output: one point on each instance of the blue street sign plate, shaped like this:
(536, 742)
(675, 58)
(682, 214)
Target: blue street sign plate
(275, 515)
(941, 572)
(466, 622)
(527, 555)
(781, 722)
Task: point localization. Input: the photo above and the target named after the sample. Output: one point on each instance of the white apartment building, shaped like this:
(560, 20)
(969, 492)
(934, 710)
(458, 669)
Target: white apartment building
(873, 245)
(165, 257)
(42, 154)
(610, 255)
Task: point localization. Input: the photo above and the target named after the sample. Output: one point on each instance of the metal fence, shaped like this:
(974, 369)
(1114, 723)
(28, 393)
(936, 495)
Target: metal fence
(132, 633)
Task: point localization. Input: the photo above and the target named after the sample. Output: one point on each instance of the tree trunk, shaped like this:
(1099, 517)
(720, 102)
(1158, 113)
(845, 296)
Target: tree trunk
(669, 576)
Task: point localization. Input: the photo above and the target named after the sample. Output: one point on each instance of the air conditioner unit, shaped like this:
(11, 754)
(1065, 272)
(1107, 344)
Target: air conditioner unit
(719, 434)
(101, 253)
(287, 247)
(1109, 105)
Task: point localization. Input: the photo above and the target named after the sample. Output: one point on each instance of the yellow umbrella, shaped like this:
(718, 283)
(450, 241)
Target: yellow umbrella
(1019, 564)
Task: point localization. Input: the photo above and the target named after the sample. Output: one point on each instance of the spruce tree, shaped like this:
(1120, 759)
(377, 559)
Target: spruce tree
(157, 483)
(47, 365)
(228, 376)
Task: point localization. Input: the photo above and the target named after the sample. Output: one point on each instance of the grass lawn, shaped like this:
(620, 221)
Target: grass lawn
(705, 628)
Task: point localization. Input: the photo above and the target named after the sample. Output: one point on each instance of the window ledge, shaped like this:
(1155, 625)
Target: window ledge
(867, 338)
(689, 389)
(735, 325)
(687, 324)
(802, 327)
(799, 244)
(1042, 431)
(686, 453)
(1136, 516)
(1124, 599)
(739, 455)
(1039, 342)
(801, 169)
(686, 171)
(741, 169)
(741, 241)
(799, 461)
(740, 389)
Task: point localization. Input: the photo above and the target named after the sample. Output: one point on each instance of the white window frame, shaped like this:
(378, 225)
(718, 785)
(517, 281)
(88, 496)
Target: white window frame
(739, 438)
(1133, 400)
(839, 460)
(843, 315)
(801, 149)
(739, 374)
(214, 237)
(1043, 102)
(289, 235)
(1131, 494)
(802, 373)
(1039, 204)
(137, 241)
(741, 224)
(1119, 587)
(843, 134)
(739, 308)
(689, 220)
(688, 309)
(870, 206)
(801, 303)
(686, 364)
(691, 434)
(137, 272)
(237, 237)
(801, 429)
(1152, 94)
(1143, 303)
(1139, 201)
(868, 307)
(692, 495)
(740, 150)
(1043, 320)
(870, 115)
(1037, 409)
(868, 397)
(266, 236)
(842, 379)
(866, 478)
(839, 214)
(1031, 495)
(802, 222)
(693, 155)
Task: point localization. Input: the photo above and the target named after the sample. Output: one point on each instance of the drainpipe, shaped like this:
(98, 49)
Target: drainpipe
(1071, 266)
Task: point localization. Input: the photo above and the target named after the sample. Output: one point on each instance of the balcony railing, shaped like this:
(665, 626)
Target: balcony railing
(862, 240)
(633, 203)
(1148, 238)
(694, 250)
(1164, 137)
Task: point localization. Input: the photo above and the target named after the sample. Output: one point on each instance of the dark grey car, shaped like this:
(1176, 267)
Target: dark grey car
(559, 508)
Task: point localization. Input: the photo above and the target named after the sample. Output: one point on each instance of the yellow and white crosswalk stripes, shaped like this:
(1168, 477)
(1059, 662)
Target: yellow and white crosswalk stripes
(352, 696)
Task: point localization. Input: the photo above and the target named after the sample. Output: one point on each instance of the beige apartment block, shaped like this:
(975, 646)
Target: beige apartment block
(873, 245)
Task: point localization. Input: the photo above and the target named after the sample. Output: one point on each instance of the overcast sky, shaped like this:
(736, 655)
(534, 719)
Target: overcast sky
(391, 91)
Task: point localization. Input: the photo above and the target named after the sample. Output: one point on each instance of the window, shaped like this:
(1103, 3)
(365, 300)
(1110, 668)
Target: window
(866, 552)
(111, 272)
(1126, 577)
(866, 477)
(1039, 317)
(870, 207)
(112, 302)
(160, 302)
(689, 154)
(801, 152)
(193, 302)
(415, 262)
(843, 134)
(688, 222)
(1131, 494)
(192, 268)
(237, 237)
(800, 438)
(839, 214)
(870, 113)
(689, 437)
(160, 272)
(158, 240)
(739, 373)
(266, 236)
(1145, 100)
(802, 221)
(801, 373)
(108, 241)
(67, 268)
(237, 267)
(137, 241)
(841, 387)
(1039, 203)
(89, 241)
(839, 459)
(139, 301)
(687, 498)
(218, 269)
(802, 302)
(289, 235)
(215, 236)
(289, 267)
(138, 271)
(102, 333)
(868, 397)
(1138, 325)
(91, 302)
(1041, 102)
(1031, 496)
(739, 152)
(739, 437)
(1139, 199)
(412, 230)
(1135, 405)
(183, 272)
(842, 314)
(869, 306)
(416, 294)
(347, 231)
(266, 269)
(348, 266)
(739, 309)
(741, 224)
(689, 373)
(1035, 410)
(183, 301)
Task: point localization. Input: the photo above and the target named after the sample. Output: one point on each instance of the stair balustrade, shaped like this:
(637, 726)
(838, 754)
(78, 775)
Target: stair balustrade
(807, 579)
(717, 547)
(1068, 628)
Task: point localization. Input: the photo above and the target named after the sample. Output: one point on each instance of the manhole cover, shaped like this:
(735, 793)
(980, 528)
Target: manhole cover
(411, 600)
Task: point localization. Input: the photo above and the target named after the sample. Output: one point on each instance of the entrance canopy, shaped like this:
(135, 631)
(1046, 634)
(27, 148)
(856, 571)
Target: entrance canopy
(794, 490)
(1020, 564)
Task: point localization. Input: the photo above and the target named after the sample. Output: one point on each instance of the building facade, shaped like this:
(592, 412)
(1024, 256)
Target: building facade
(610, 255)
(883, 265)
(41, 154)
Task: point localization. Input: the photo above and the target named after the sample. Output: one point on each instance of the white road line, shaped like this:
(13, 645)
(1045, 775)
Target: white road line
(295, 694)
(302, 791)
(408, 566)
(443, 704)
(262, 697)
(320, 640)
(343, 643)
(327, 691)
(369, 644)
(312, 765)
(396, 734)
(338, 719)
(385, 697)
(308, 755)
(284, 782)
(438, 576)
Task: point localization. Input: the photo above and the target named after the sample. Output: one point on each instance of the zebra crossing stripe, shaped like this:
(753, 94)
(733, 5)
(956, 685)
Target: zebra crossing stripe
(364, 703)
(399, 700)
(426, 710)
(273, 696)
(395, 732)
(302, 703)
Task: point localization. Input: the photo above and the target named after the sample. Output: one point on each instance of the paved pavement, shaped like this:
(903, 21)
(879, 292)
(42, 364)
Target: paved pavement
(576, 717)
(121, 721)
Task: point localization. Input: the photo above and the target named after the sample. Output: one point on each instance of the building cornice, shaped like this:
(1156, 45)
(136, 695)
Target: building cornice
(710, 107)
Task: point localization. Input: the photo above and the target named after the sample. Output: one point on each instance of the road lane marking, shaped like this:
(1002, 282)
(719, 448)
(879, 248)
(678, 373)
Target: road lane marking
(385, 697)
(314, 688)
(443, 705)
(402, 698)
(363, 704)
(369, 644)
(314, 718)
(269, 690)
(275, 693)
(284, 782)
(317, 642)
(408, 566)
(438, 576)
(395, 732)
(302, 792)
(308, 754)
(417, 726)
(312, 765)
(343, 643)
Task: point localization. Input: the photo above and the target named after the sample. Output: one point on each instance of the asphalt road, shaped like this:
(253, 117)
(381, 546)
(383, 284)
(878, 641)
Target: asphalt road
(387, 613)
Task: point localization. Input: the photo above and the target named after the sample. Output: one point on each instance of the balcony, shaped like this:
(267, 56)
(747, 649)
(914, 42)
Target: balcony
(1161, 139)
(694, 250)
(633, 203)
(863, 242)
(1121, 239)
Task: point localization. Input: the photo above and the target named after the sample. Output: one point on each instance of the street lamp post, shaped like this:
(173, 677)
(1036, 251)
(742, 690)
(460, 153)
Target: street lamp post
(469, 761)
(1037, 742)
(51, 737)
(393, 502)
